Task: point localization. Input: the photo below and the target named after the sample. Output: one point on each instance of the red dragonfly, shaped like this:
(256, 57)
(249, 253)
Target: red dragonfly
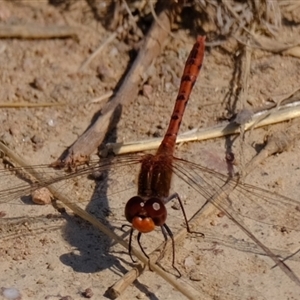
(147, 210)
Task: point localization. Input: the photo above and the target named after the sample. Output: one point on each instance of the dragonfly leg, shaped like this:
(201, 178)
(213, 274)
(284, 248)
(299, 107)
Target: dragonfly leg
(176, 196)
(165, 234)
(125, 225)
(287, 258)
(141, 247)
(167, 231)
(130, 245)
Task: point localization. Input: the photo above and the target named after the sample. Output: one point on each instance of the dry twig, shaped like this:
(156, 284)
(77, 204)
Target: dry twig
(36, 32)
(286, 114)
(25, 104)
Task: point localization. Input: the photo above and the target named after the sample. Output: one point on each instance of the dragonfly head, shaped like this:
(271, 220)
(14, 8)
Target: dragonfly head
(145, 215)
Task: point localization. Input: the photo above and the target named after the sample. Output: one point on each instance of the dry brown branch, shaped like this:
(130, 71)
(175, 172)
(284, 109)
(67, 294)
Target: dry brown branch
(242, 99)
(36, 32)
(93, 137)
(25, 104)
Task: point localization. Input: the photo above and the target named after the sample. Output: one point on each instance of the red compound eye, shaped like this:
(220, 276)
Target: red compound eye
(157, 211)
(144, 216)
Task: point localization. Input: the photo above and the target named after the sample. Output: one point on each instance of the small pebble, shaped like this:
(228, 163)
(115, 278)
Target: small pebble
(39, 84)
(156, 134)
(114, 52)
(51, 267)
(140, 296)
(51, 123)
(11, 293)
(41, 196)
(105, 73)
(38, 142)
(88, 293)
(189, 262)
(36, 139)
(14, 130)
(40, 281)
(221, 214)
(176, 205)
(7, 138)
(147, 90)
(243, 117)
(195, 275)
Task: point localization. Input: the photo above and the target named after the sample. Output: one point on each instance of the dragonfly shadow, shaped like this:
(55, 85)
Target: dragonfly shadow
(92, 248)
(27, 200)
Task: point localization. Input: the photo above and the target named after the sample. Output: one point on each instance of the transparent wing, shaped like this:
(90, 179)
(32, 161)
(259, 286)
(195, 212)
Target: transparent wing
(16, 182)
(256, 212)
(245, 200)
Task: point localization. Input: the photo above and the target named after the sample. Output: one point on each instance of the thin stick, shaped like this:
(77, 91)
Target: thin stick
(245, 70)
(36, 32)
(25, 104)
(101, 98)
(282, 115)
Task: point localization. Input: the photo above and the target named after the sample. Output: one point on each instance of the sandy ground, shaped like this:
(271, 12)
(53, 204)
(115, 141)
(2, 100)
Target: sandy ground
(52, 258)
